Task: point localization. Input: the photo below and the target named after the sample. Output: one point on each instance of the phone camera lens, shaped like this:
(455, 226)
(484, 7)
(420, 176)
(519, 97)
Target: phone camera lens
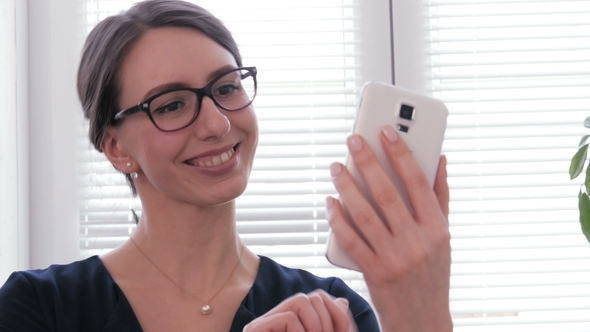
(406, 112)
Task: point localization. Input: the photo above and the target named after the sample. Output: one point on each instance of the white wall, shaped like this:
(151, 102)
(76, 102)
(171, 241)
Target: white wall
(40, 43)
(374, 41)
(14, 244)
(8, 160)
(55, 122)
(408, 44)
(22, 108)
(397, 22)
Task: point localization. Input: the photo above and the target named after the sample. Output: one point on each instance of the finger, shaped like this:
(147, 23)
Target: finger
(342, 319)
(302, 307)
(320, 307)
(346, 325)
(386, 197)
(349, 238)
(358, 210)
(419, 190)
(278, 322)
(441, 186)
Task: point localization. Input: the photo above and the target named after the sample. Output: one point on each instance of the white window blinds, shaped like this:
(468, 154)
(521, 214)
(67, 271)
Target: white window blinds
(305, 54)
(516, 78)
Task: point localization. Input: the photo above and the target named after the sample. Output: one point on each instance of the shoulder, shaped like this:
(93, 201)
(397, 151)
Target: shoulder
(71, 274)
(276, 282)
(276, 277)
(77, 279)
(58, 296)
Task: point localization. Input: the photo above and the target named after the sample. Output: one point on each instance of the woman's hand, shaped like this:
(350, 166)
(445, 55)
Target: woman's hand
(316, 311)
(406, 258)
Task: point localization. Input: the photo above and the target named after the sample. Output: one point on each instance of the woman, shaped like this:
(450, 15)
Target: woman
(169, 104)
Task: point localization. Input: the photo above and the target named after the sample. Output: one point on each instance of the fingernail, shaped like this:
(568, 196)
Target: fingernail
(329, 206)
(390, 133)
(354, 143)
(329, 202)
(342, 303)
(335, 169)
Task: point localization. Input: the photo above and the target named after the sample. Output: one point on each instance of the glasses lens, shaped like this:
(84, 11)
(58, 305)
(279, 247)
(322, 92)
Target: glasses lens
(174, 109)
(177, 109)
(234, 90)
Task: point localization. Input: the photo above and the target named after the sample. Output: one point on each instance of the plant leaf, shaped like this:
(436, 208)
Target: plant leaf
(584, 206)
(587, 180)
(583, 141)
(587, 122)
(578, 162)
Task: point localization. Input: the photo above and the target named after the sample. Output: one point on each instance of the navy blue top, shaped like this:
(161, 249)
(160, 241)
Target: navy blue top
(82, 296)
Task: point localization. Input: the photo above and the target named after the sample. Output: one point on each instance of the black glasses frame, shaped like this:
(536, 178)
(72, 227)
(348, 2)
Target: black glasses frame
(201, 93)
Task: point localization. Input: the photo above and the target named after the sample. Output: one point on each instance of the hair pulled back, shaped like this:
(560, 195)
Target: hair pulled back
(108, 43)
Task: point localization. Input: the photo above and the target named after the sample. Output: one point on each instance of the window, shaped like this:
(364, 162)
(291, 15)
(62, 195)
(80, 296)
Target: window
(515, 76)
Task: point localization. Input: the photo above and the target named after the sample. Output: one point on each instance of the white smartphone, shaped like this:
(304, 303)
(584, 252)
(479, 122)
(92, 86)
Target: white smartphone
(421, 122)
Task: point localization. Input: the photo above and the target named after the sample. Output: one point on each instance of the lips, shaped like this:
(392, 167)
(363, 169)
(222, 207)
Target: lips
(212, 160)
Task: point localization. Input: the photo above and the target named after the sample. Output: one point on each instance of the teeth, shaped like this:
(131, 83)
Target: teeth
(217, 160)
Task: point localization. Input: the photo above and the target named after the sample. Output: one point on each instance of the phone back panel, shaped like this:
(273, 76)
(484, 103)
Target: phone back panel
(422, 129)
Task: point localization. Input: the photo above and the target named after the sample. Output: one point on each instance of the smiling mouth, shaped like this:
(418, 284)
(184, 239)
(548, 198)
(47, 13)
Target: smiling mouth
(212, 161)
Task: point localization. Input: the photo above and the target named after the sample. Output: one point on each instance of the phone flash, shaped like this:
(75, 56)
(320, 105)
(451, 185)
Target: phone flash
(402, 128)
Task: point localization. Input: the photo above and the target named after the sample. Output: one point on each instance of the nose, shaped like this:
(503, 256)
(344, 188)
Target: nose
(211, 122)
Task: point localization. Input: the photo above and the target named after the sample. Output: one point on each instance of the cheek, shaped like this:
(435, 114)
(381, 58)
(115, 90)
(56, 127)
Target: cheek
(251, 123)
(245, 124)
(254, 128)
(162, 147)
(150, 147)
(157, 156)
(251, 127)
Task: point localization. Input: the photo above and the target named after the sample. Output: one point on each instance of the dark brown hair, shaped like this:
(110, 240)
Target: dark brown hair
(111, 39)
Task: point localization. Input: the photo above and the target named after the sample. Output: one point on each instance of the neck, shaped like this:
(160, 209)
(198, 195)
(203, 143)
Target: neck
(187, 225)
(193, 245)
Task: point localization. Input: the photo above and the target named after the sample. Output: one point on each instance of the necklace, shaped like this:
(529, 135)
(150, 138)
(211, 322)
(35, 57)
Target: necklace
(206, 308)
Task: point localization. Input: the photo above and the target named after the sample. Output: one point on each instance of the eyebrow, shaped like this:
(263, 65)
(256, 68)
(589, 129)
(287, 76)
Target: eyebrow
(180, 85)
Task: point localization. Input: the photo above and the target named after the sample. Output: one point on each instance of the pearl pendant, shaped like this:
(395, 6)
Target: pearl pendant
(206, 309)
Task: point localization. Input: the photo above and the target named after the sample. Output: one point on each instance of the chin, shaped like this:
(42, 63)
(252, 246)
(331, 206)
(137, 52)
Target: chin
(225, 195)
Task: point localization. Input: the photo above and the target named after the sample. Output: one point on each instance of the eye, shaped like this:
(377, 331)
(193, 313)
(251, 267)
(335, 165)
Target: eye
(169, 107)
(226, 90)
(172, 103)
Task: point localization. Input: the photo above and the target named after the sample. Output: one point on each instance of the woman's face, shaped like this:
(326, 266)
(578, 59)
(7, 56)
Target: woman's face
(190, 165)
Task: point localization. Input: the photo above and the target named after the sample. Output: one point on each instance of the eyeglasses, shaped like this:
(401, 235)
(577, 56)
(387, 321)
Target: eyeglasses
(177, 109)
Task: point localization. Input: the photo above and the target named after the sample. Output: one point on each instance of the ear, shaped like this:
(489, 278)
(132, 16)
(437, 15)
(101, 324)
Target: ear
(116, 152)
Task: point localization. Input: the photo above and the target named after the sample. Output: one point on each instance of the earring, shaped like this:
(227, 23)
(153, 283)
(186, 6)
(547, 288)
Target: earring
(128, 164)
(133, 175)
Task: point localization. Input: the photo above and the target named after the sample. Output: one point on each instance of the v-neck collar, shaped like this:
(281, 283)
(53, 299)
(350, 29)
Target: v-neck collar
(124, 319)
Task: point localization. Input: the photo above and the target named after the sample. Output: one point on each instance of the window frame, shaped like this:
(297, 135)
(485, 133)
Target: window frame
(14, 164)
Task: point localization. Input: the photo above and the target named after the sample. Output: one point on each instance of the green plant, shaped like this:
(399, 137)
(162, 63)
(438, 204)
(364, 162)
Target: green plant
(576, 168)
